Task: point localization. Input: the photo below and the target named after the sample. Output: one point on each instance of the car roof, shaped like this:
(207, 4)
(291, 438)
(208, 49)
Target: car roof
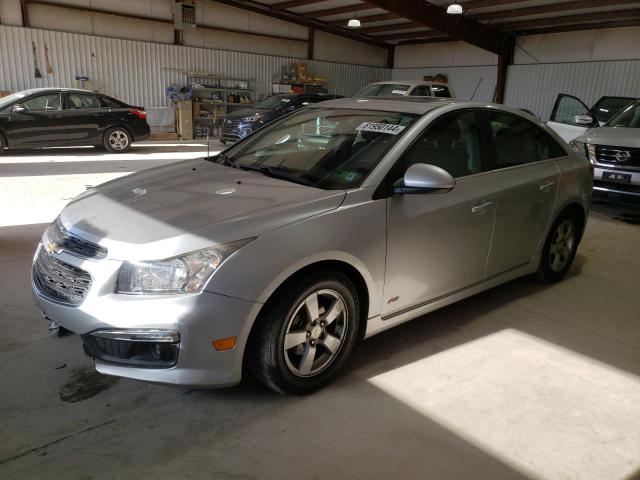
(411, 83)
(32, 91)
(396, 103)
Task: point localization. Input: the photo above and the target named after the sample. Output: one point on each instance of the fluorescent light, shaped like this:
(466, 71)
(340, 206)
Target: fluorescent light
(354, 23)
(454, 9)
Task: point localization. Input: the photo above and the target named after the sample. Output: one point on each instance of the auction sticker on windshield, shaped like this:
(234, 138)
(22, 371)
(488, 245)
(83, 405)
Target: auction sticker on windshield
(380, 128)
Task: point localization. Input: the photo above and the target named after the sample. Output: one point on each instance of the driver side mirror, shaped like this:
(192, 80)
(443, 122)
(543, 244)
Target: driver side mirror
(586, 120)
(18, 107)
(424, 178)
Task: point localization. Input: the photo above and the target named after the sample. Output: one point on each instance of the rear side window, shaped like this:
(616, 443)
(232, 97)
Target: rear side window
(110, 102)
(517, 141)
(422, 91)
(81, 100)
(441, 91)
(453, 144)
(43, 103)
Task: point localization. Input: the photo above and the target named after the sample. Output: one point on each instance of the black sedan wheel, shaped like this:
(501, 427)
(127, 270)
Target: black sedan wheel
(117, 140)
(3, 144)
(307, 334)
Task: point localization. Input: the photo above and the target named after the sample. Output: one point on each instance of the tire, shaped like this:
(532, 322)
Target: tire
(3, 144)
(560, 248)
(117, 140)
(320, 334)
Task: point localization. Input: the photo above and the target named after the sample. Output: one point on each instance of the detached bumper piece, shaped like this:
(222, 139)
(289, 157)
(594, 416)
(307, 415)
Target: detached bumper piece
(139, 348)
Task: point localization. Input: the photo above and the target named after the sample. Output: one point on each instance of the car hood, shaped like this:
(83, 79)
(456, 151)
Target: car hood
(169, 210)
(620, 137)
(247, 112)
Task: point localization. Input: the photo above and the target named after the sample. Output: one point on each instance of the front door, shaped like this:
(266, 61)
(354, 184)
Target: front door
(438, 243)
(525, 171)
(39, 123)
(563, 120)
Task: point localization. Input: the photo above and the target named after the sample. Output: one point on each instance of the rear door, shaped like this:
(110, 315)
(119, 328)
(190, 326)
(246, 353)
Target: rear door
(40, 123)
(526, 177)
(85, 116)
(563, 121)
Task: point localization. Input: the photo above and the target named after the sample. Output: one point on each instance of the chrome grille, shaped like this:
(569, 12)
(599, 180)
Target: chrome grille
(73, 244)
(618, 156)
(60, 281)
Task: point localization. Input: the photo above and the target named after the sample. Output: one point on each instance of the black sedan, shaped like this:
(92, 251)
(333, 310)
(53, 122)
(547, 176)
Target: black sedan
(238, 125)
(54, 117)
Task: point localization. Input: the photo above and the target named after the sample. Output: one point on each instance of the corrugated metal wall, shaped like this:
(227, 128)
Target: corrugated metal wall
(139, 72)
(536, 86)
(464, 80)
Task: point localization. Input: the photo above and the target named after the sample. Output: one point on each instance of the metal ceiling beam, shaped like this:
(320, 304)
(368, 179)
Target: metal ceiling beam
(300, 20)
(553, 8)
(572, 19)
(391, 28)
(488, 3)
(463, 28)
(327, 12)
(635, 22)
(369, 18)
(412, 35)
(294, 4)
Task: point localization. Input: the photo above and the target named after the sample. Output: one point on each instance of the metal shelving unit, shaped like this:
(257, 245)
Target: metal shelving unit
(214, 97)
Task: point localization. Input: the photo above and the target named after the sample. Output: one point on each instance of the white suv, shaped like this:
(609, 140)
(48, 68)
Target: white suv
(413, 88)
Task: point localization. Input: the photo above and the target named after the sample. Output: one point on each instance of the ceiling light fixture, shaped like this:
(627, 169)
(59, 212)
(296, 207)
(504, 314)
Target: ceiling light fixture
(454, 9)
(354, 22)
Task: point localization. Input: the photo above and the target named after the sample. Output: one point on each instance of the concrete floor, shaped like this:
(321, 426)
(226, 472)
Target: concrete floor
(526, 381)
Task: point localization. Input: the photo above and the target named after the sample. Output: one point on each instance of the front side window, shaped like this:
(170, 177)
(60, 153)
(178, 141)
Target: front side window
(43, 103)
(382, 90)
(517, 141)
(627, 118)
(452, 143)
(79, 100)
(328, 148)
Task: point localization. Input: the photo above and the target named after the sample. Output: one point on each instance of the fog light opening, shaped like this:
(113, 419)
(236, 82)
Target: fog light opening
(141, 348)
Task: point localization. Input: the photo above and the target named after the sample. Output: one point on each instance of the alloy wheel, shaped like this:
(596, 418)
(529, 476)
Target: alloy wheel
(561, 246)
(118, 140)
(315, 333)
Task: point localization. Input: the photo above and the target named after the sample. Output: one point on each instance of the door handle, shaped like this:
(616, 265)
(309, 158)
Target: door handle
(482, 208)
(546, 186)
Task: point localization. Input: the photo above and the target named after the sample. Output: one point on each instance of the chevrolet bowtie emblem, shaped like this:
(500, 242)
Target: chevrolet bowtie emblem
(54, 247)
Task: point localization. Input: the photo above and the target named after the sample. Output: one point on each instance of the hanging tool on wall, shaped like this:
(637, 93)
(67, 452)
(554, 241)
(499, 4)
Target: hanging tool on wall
(46, 59)
(35, 61)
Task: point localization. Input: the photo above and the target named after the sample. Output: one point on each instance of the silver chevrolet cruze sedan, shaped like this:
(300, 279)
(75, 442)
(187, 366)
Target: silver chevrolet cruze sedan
(330, 225)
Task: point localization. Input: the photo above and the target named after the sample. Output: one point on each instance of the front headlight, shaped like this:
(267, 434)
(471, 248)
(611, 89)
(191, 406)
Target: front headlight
(186, 273)
(577, 146)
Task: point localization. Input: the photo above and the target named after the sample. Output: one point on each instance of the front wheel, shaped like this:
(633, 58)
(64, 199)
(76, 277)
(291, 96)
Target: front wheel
(307, 334)
(3, 144)
(559, 249)
(117, 140)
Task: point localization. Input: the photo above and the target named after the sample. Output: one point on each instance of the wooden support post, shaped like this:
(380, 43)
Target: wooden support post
(310, 42)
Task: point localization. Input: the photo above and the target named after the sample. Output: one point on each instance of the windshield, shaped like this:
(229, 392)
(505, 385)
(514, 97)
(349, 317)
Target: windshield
(328, 148)
(276, 102)
(382, 90)
(9, 99)
(627, 118)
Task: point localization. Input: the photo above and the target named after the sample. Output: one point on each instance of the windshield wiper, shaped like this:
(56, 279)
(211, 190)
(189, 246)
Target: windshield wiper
(222, 159)
(275, 172)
